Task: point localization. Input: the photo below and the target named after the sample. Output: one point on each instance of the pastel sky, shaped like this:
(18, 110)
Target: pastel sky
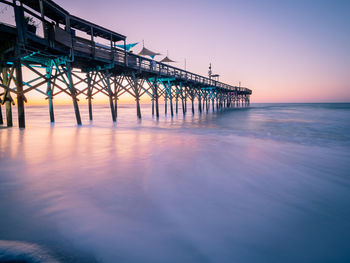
(285, 51)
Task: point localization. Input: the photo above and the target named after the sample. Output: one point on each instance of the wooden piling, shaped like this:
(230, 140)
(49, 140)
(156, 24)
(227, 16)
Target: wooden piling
(199, 102)
(8, 106)
(203, 101)
(73, 93)
(156, 98)
(138, 106)
(183, 98)
(89, 93)
(1, 119)
(49, 92)
(7, 96)
(207, 103)
(110, 96)
(137, 95)
(176, 102)
(170, 99)
(165, 101)
(20, 95)
(217, 101)
(192, 102)
(1, 102)
(183, 105)
(213, 102)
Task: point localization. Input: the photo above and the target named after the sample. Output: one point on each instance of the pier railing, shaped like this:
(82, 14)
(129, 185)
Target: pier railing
(142, 63)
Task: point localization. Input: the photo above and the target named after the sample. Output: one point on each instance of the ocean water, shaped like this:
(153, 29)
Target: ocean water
(269, 183)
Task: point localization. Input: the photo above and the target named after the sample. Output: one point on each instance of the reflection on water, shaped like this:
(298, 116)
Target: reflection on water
(265, 184)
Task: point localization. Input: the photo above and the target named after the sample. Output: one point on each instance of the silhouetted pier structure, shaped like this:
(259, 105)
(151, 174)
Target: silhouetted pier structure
(64, 61)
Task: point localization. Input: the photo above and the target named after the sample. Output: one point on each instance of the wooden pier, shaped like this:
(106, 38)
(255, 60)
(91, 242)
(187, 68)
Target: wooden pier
(71, 60)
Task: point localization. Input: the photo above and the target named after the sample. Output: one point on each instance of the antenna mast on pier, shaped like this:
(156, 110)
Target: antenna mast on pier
(210, 72)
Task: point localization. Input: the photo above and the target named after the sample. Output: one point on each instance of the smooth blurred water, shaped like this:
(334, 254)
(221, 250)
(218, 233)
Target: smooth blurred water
(270, 183)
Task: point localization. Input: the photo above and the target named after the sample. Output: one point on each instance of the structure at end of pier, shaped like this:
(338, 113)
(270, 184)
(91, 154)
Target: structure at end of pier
(67, 56)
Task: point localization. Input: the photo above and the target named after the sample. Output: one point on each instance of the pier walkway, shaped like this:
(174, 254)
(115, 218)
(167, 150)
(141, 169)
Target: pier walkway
(67, 54)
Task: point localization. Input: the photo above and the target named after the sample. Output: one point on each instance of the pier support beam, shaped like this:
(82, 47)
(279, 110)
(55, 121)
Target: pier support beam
(213, 101)
(203, 99)
(138, 106)
(228, 100)
(170, 98)
(110, 96)
(165, 101)
(7, 99)
(217, 101)
(1, 119)
(156, 98)
(89, 97)
(199, 101)
(1, 101)
(8, 106)
(73, 93)
(192, 101)
(182, 94)
(118, 86)
(20, 95)
(191, 94)
(49, 92)
(176, 103)
(207, 103)
(137, 95)
(153, 84)
(152, 102)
